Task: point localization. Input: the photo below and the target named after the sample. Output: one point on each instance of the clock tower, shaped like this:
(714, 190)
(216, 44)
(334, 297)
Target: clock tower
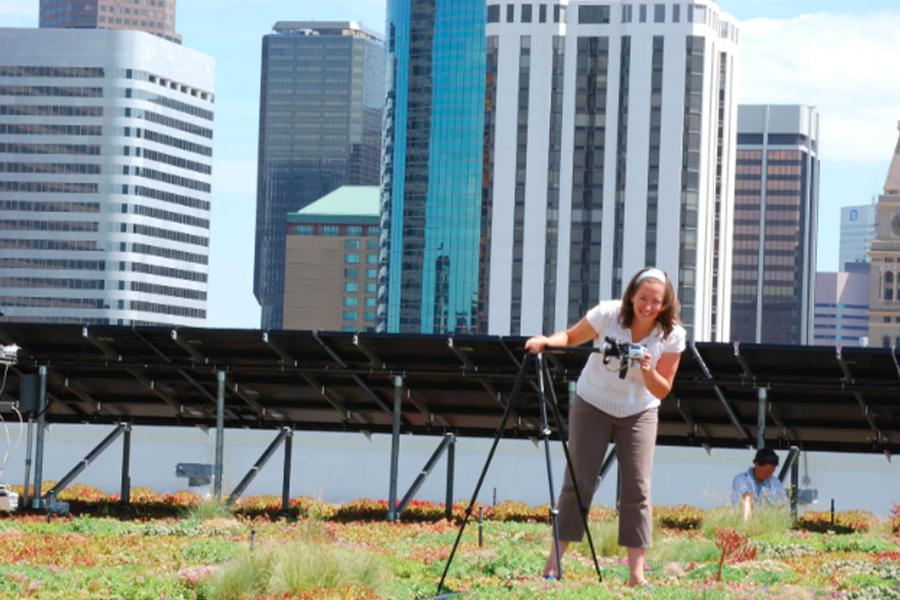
(884, 274)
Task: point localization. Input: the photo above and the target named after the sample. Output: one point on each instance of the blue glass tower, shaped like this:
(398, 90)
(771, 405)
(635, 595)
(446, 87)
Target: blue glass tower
(433, 233)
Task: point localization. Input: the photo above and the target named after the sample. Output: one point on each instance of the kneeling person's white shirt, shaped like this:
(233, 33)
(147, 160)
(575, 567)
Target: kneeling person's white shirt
(600, 384)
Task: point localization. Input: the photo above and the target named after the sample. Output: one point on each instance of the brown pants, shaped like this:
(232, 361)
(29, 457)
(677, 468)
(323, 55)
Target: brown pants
(590, 432)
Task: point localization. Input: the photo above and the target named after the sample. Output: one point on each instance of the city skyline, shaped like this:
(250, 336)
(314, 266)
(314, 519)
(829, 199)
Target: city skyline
(856, 138)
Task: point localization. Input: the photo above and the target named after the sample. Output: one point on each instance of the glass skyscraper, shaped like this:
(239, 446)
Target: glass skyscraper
(321, 99)
(433, 231)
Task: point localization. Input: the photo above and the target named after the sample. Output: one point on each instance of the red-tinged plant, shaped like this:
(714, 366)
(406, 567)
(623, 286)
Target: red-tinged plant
(515, 511)
(844, 522)
(421, 511)
(363, 509)
(459, 511)
(80, 492)
(734, 547)
(682, 516)
(601, 513)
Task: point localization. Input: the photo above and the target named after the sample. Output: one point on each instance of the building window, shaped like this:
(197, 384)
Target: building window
(542, 13)
(348, 328)
(676, 13)
(642, 13)
(368, 316)
(351, 273)
(373, 230)
(351, 259)
(354, 230)
(526, 13)
(351, 301)
(510, 13)
(659, 13)
(371, 288)
(372, 259)
(351, 244)
(330, 230)
(371, 302)
(593, 14)
(349, 315)
(627, 12)
(372, 273)
(493, 15)
(372, 244)
(351, 286)
(559, 13)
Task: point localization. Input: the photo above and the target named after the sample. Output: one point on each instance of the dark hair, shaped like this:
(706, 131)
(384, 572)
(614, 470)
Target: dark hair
(670, 313)
(766, 456)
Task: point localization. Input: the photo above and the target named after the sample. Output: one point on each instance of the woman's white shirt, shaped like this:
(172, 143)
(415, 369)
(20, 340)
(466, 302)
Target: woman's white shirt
(600, 384)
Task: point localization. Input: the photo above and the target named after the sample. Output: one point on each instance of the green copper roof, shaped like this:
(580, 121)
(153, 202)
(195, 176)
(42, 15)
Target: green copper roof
(359, 201)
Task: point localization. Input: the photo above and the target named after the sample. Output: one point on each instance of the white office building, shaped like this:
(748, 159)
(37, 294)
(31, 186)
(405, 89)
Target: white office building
(857, 232)
(610, 145)
(105, 177)
(842, 307)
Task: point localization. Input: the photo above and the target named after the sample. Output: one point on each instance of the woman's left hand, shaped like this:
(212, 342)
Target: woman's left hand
(646, 364)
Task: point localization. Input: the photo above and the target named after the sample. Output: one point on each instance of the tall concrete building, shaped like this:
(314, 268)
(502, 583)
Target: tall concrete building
(153, 16)
(857, 231)
(433, 224)
(610, 145)
(105, 177)
(775, 216)
(884, 273)
(842, 307)
(321, 100)
(331, 260)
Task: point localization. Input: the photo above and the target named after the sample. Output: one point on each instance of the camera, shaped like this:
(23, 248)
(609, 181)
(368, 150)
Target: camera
(629, 355)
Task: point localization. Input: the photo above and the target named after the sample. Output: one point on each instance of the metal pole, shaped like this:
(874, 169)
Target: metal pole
(220, 432)
(257, 466)
(451, 459)
(29, 443)
(82, 465)
(395, 448)
(125, 496)
(39, 438)
(573, 393)
(795, 485)
(762, 394)
(286, 478)
(425, 472)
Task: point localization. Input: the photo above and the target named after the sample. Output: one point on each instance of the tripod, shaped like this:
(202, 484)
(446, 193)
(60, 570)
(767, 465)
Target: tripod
(543, 373)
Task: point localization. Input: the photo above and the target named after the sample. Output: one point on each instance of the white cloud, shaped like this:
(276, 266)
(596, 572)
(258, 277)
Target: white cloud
(845, 65)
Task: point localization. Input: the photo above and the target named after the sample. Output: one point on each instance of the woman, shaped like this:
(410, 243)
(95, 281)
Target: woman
(625, 410)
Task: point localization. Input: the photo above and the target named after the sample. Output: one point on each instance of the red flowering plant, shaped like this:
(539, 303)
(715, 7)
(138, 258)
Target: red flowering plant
(513, 510)
(734, 547)
(852, 521)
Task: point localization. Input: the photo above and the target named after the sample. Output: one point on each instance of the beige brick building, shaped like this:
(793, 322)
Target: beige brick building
(884, 274)
(153, 16)
(331, 262)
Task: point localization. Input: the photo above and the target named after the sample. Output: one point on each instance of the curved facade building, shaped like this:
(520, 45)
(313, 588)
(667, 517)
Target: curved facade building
(105, 177)
(433, 230)
(612, 147)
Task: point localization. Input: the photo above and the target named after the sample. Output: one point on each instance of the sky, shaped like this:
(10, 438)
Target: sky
(837, 55)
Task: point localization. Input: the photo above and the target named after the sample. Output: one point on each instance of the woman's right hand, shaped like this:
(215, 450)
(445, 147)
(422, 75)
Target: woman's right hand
(537, 344)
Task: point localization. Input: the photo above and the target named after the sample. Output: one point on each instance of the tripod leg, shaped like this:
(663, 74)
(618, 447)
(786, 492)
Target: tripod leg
(501, 427)
(554, 405)
(545, 434)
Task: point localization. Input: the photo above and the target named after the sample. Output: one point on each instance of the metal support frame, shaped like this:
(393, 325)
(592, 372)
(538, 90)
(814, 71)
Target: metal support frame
(795, 485)
(29, 443)
(792, 457)
(125, 495)
(286, 473)
(732, 416)
(608, 462)
(82, 465)
(36, 501)
(451, 473)
(469, 365)
(449, 439)
(258, 465)
(356, 378)
(395, 448)
(220, 432)
(762, 395)
(848, 379)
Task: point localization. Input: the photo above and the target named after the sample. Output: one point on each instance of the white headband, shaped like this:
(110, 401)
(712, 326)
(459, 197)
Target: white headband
(652, 274)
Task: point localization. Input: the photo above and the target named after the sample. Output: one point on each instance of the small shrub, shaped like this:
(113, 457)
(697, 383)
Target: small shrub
(681, 517)
(246, 577)
(364, 509)
(734, 547)
(513, 510)
(205, 511)
(766, 521)
(844, 522)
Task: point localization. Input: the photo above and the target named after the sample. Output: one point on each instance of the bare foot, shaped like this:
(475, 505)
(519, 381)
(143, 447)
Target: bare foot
(635, 582)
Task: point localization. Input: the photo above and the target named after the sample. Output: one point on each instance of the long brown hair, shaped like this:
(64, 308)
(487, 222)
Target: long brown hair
(670, 313)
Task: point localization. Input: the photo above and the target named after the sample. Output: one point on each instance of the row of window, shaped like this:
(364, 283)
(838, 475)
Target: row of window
(165, 309)
(80, 72)
(50, 110)
(169, 103)
(168, 159)
(352, 315)
(602, 14)
(174, 236)
(169, 122)
(173, 217)
(46, 187)
(161, 271)
(43, 302)
(56, 168)
(161, 138)
(167, 290)
(74, 245)
(59, 91)
(353, 286)
(42, 129)
(334, 230)
(62, 264)
(354, 301)
(168, 197)
(356, 244)
(86, 149)
(168, 83)
(353, 259)
(52, 282)
(30, 225)
(185, 182)
(200, 259)
(353, 273)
